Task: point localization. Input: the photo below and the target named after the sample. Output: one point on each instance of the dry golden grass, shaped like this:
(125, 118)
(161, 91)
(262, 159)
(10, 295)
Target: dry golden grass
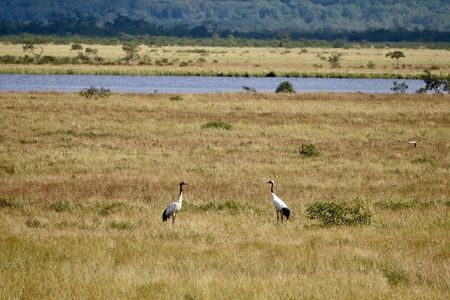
(83, 184)
(254, 61)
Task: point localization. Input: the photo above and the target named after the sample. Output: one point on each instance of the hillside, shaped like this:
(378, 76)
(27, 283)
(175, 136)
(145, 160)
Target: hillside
(204, 18)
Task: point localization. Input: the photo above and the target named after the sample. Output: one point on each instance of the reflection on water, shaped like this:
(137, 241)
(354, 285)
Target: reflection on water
(190, 84)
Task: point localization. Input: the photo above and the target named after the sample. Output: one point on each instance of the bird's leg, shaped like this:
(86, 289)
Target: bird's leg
(281, 214)
(173, 219)
(278, 217)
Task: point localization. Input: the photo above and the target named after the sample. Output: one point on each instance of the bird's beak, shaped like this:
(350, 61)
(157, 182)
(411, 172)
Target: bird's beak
(268, 182)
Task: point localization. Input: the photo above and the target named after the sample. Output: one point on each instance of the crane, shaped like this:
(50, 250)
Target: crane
(172, 209)
(280, 207)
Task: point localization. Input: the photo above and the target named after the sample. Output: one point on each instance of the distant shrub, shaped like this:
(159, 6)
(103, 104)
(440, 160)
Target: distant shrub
(175, 98)
(76, 46)
(94, 92)
(399, 88)
(248, 89)
(308, 150)
(331, 213)
(334, 60)
(32, 223)
(271, 74)
(183, 64)
(285, 87)
(217, 124)
(8, 59)
(6, 202)
(370, 65)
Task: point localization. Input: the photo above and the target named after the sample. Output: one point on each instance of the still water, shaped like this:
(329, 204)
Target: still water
(191, 84)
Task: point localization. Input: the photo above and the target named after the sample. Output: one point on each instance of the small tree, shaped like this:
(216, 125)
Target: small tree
(28, 47)
(285, 87)
(131, 51)
(92, 53)
(435, 83)
(76, 46)
(334, 60)
(396, 54)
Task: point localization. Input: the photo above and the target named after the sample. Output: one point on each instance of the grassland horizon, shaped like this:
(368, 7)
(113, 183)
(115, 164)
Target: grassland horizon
(225, 61)
(83, 183)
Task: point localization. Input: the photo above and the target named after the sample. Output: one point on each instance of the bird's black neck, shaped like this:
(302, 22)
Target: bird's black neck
(181, 188)
(271, 187)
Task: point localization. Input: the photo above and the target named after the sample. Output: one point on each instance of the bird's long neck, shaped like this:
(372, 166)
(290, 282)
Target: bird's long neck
(271, 187)
(180, 195)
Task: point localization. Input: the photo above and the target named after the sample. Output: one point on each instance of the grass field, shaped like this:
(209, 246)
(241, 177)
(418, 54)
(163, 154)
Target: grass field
(185, 60)
(83, 183)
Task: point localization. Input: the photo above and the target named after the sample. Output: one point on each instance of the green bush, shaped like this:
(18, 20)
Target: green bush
(175, 98)
(285, 87)
(33, 223)
(217, 124)
(331, 213)
(308, 150)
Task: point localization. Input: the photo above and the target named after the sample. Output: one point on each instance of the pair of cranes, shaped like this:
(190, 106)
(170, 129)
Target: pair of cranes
(280, 207)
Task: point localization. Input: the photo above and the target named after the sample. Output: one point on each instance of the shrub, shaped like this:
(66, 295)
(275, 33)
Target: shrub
(308, 150)
(248, 89)
(94, 92)
(435, 83)
(217, 124)
(370, 65)
(271, 74)
(331, 213)
(399, 88)
(285, 87)
(176, 98)
(32, 223)
(334, 60)
(76, 46)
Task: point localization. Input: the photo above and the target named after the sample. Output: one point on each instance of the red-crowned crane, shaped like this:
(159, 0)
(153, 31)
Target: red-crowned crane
(173, 208)
(280, 206)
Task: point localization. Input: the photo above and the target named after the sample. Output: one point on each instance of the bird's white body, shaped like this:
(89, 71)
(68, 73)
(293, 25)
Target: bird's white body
(172, 209)
(278, 203)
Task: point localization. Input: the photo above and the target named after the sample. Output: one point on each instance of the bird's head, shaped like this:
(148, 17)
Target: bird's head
(183, 183)
(270, 181)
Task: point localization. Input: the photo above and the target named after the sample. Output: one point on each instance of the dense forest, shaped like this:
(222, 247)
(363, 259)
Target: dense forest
(354, 20)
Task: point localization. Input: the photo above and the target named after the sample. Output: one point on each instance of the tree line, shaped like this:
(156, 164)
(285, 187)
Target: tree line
(90, 26)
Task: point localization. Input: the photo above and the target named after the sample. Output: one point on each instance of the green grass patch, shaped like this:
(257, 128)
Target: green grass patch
(217, 125)
(308, 150)
(332, 213)
(33, 223)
